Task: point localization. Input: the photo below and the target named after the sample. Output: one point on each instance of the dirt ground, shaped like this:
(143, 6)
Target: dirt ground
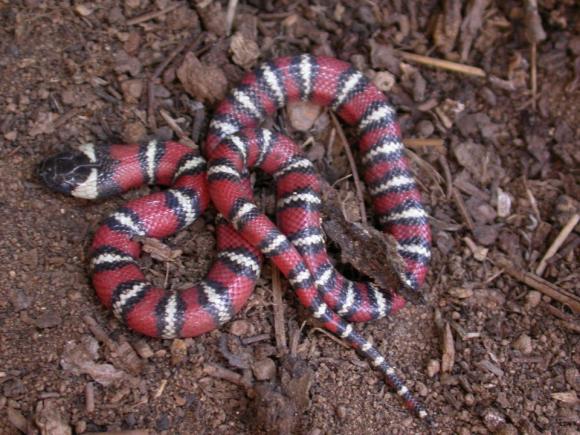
(496, 159)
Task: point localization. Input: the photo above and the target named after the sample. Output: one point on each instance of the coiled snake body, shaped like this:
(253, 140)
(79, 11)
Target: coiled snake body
(233, 146)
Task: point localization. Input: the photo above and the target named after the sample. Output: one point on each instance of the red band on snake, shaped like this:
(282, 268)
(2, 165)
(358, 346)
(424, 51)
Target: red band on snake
(296, 247)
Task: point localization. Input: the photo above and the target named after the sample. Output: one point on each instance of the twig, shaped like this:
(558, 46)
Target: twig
(444, 64)
(90, 397)
(355, 176)
(177, 129)
(220, 372)
(99, 333)
(230, 15)
(564, 233)
(567, 321)
(279, 324)
(151, 15)
(533, 201)
(447, 172)
(534, 73)
(254, 339)
(540, 284)
(568, 247)
(426, 142)
(331, 336)
(535, 34)
(462, 208)
(161, 389)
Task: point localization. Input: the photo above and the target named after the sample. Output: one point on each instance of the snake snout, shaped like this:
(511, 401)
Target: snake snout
(65, 171)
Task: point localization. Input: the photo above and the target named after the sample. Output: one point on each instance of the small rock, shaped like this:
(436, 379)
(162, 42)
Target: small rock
(132, 90)
(264, 369)
(11, 136)
(504, 203)
(48, 319)
(341, 412)
(143, 349)
(425, 128)
(533, 298)
(178, 351)
(433, 367)
(469, 399)
(302, 115)
(245, 52)
(485, 234)
(493, 419)
(523, 344)
(507, 429)
(240, 328)
(461, 292)
(134, 132)
(384, 80)
(83, 10)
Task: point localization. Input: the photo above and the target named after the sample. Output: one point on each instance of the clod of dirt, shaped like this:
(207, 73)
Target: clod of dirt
(276, 408)
(524, 344)
(264, 370)
(178, 352)
(206, 83)
(49, 420)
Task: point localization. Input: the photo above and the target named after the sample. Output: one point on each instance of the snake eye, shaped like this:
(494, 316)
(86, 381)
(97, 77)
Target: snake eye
(65, 171)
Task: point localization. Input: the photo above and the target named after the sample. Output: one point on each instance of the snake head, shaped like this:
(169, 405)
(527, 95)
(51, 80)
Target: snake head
(67, 171)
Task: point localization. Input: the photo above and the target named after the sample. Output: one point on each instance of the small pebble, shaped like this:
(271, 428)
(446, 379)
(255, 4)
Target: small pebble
(433, 367)
(264, 369)
(523, 344)
(302, 115)
(425, 128)
(240, 328)
(533, 298)
(493, 419)
(178, 352)
(341, 412)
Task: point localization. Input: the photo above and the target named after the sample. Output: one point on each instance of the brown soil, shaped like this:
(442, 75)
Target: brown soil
(486, 353)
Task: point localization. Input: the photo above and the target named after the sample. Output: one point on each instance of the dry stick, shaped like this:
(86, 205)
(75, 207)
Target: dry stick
(151, 86)
(177, 129)
(220, 372)
(279, 324)
(230, 15)
(444, 64)
(462, 208)
(447, 172)
(99, 333)
(540, 284)
(426, 142)
(564, 233)
(355, 176)
(122, 432)
(534, 73)
(151, 15)
(90, 397)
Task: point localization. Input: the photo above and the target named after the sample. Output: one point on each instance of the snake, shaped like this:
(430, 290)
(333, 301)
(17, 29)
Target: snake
(235, 144)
